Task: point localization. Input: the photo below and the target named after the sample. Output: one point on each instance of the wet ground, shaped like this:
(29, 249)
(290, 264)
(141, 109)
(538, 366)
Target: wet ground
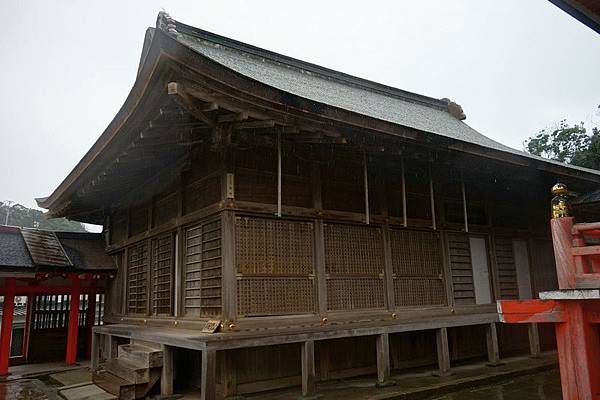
(510, 381)
(544, 386)
(27, 389)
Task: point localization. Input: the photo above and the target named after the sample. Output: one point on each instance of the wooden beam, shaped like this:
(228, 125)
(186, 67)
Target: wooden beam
(404, 215)
(95, 356)
(443, 352)
(534, 340)
(178, 92)
(166, 375)
(307, 349)
(254, 125)
(208, 377)
(233, 117)
(383, 358)
(492, 345)
(366, 188)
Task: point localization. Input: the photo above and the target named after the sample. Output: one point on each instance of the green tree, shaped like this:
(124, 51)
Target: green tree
(569, 144)
(18, 215)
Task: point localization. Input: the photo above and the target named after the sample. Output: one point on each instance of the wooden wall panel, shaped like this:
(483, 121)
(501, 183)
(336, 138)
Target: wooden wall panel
(201, 193)
(417, 264)
(543, 266)
(505, 264)
(459, 254)
(138, 220)
(162, 269)
(118, 227)
(354, 265)
(202, 270)
(275, 266)
(137, 278)
(165, 209)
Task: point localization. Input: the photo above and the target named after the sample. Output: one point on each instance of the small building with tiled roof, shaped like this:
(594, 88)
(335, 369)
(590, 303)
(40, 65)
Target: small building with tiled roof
(62, 275)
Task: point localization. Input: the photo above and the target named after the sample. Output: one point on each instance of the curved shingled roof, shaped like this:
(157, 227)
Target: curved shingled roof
(337, 89)
(320, 87)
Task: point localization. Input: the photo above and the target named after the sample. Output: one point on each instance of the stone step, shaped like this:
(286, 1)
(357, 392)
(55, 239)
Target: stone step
(122, 389)
(142, 355)
(127, 370)
(88, 391)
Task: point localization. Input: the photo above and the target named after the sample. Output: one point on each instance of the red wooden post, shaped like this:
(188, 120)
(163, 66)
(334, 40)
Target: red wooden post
(71, 353)
(579, 354)
(562, 239)
(7, 320)
(90, 319)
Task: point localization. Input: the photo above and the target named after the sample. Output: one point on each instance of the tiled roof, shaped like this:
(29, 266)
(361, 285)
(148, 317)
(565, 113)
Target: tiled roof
(26, 248)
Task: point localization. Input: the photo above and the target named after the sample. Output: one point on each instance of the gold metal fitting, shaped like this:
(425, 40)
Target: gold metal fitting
(324, 320)
(175, 323)
(560, 202)
(559, 188)
(145, 321)
(232, 326)
(394, 315)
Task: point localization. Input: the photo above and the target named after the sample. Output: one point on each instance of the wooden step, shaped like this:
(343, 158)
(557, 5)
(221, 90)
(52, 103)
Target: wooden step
(139, 354)
(152, 345)
(124, 390)
(128, 370)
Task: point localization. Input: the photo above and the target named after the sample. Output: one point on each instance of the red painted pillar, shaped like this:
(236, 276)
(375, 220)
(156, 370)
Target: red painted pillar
(71, 353)
(7, 320)
(90, 319)
(579, 354)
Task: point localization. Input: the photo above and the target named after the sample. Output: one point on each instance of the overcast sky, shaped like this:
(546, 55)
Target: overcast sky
(67, 66)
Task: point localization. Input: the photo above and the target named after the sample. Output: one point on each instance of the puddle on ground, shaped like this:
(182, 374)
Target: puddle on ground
(544, 386)
(26, 389)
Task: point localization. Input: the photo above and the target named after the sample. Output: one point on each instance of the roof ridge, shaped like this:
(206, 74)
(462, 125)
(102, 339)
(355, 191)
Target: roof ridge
(173, 28)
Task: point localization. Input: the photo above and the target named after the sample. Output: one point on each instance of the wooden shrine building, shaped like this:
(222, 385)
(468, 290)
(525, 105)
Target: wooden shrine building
(277, 223)
(62, 276)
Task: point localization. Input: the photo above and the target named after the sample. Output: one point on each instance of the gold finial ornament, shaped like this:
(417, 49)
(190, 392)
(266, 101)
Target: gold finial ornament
(560, 204)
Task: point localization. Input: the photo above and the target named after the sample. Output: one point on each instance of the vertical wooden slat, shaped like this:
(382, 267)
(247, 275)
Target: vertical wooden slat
(432, 199)
(366, 188)
(404, 215)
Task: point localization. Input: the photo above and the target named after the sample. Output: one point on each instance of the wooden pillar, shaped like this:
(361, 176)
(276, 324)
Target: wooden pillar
(404, 215)
(90, 318)
(443, 352)
(166, 374)
(366, 188)
(112, 346)
(228, 375)
(534, 340)
(307, 349)
(578, 354)
(71, 353)
(95, 353)
(208, 378)
(492, 345)
(229, 268)
(383, 359)
(8, 309)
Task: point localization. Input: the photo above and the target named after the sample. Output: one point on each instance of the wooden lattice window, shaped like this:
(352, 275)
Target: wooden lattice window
(202, 269)
(505, 263)
(459, 253)
(137, 278)
(354, 264)
(162, 267)
(275, 264)
(417, 264)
